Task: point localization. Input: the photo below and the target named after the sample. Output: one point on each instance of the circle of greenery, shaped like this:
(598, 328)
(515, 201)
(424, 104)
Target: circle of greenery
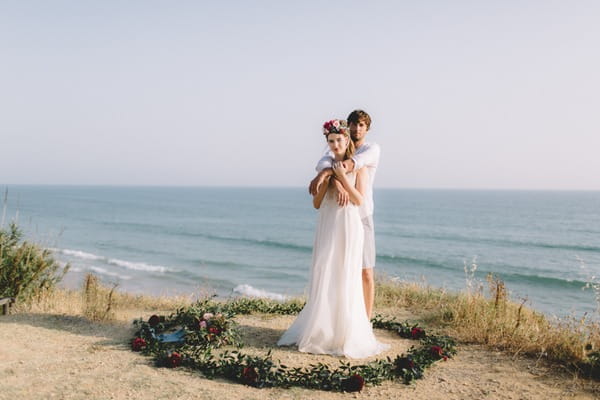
(208, 325)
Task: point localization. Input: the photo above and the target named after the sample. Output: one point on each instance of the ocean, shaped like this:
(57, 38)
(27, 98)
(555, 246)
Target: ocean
(545, 245)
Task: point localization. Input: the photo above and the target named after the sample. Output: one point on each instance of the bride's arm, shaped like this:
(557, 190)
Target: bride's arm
(355, 191)
(318, 197)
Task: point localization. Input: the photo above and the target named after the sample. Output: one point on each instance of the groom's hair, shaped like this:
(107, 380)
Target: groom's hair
(360, 115)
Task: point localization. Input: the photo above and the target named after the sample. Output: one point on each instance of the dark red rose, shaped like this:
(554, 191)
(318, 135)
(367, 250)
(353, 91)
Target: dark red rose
(214, 330)
(154, 320)
(353, 384)
(405, 363)
(417, 333)
(437, 352)
(249, 375)
(174, 360)
(445, 358)
(138, 344)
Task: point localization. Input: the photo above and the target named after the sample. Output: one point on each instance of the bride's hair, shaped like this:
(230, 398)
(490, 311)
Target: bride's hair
(351, 148)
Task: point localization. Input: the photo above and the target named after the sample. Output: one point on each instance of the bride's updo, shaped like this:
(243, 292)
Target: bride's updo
(340, 127)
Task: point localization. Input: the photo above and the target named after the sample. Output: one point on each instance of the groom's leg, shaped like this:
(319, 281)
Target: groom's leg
(368, 290)
(368, 264)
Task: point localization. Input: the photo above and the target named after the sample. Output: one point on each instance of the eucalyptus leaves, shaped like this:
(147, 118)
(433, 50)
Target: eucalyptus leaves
(190, 336)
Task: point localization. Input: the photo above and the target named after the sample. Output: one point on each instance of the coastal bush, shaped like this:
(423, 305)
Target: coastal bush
(26, 269)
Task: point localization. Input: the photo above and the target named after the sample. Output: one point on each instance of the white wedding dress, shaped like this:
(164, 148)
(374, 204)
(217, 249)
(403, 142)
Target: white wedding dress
(334, 320)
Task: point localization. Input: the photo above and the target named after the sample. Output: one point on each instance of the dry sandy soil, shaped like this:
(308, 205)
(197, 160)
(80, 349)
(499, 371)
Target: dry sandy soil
(46, 356)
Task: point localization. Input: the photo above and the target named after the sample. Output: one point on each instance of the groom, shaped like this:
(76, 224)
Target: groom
(366, 155)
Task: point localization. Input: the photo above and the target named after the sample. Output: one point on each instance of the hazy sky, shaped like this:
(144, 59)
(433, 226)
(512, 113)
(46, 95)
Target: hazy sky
(463, 94)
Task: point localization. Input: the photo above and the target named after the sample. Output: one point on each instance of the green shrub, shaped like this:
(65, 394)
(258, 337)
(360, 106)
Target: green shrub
(26, 269)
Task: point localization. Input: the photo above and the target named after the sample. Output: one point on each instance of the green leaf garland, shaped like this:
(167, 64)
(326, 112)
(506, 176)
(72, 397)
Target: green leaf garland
(208, 325)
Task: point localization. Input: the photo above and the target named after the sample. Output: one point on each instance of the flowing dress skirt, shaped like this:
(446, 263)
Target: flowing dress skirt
(334, 320)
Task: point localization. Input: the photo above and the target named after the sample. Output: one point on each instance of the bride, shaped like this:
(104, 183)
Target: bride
(334, 320)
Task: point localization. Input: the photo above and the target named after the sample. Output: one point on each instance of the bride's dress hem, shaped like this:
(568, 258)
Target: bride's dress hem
(380, 348)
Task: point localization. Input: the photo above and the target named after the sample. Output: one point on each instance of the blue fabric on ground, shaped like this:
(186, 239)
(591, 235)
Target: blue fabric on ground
(174, 337)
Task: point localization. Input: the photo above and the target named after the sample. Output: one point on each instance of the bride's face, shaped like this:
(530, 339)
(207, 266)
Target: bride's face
(337, 143)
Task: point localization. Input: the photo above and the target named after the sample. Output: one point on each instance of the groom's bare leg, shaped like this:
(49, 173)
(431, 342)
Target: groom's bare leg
(368, 290)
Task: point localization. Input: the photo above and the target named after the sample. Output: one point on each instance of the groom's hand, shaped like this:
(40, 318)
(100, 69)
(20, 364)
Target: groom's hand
(316, 183)
(313, 188)
(343, 197)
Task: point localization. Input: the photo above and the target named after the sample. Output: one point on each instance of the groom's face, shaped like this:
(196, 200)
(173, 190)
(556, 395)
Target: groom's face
(358, 130)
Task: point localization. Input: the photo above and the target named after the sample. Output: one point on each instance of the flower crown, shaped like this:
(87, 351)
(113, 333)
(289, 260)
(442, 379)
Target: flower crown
(335, 126)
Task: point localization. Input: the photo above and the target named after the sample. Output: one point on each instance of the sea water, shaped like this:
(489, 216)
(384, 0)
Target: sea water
(545, 245)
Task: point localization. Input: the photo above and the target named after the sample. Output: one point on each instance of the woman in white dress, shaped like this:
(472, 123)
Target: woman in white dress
(334, 320)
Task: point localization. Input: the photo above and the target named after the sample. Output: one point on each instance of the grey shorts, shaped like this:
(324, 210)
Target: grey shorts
(369, 247)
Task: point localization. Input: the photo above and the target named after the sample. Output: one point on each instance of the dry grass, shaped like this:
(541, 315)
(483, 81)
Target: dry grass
(490, 319)
(98, 302)
(97, 299)
(494, 320)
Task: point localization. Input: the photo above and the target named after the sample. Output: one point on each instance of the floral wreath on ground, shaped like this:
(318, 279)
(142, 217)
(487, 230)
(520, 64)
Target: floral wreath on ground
(188, 337)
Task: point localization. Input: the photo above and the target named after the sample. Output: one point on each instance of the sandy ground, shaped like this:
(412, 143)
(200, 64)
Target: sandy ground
(44, 356)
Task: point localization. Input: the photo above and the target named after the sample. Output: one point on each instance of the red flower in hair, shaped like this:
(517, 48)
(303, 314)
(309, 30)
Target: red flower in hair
(334, 126)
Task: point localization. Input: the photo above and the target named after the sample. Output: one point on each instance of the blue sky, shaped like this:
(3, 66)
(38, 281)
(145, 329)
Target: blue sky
(463, 94)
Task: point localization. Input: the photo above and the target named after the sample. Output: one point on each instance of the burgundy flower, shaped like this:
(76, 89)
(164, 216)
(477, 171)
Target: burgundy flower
(417, 333)
(355, 383)
(249, 375)
(174, 360)
(437, 352)
(154, 320)
(138, 344)
(405, 363)
(214, 330)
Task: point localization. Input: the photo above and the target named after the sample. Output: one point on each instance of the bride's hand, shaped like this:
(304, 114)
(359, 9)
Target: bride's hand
(339, 168)
(342, 198)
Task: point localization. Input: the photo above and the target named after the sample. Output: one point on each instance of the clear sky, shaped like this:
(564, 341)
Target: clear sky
(463, 94)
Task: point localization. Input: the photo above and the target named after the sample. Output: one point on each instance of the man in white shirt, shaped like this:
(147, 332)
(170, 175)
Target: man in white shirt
(366, 155)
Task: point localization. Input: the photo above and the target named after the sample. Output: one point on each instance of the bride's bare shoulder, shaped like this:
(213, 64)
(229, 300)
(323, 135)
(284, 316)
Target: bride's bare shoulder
(361, 172)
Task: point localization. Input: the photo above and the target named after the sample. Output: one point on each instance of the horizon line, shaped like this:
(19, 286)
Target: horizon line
(120, 185)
